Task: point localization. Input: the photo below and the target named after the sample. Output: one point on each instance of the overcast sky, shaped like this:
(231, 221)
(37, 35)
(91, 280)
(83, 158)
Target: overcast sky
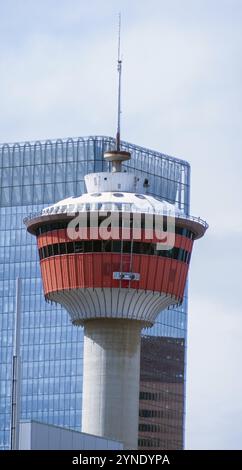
(182, 95)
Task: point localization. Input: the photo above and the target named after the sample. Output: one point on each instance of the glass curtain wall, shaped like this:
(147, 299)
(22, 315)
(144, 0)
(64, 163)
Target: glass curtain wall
(36, 174)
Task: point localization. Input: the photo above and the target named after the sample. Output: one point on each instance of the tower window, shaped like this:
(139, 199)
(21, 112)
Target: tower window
(113, 246)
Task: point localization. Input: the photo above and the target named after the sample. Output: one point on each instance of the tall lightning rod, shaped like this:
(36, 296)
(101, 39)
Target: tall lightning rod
(119, 85)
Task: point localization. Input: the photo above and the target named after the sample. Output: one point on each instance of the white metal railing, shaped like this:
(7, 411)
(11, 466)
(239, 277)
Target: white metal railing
(91, 207)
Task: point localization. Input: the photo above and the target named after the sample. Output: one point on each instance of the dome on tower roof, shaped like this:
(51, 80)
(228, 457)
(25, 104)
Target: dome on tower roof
(113, 201)
(116, 201)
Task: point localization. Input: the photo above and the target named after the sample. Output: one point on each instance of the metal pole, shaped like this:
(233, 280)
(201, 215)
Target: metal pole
(15, 405)
(119, 87)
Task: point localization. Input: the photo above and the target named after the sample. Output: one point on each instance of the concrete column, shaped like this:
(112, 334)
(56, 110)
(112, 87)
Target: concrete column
(111, 361)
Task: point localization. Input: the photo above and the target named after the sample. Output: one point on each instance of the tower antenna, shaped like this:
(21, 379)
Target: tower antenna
(117, 156)
(119, 85)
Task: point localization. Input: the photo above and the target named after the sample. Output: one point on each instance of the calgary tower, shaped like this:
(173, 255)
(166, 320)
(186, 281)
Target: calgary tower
(114, 258)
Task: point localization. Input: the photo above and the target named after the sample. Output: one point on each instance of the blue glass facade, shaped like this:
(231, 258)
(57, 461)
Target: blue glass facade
(33, 175)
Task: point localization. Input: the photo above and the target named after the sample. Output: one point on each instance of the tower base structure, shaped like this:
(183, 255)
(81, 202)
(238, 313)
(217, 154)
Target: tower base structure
(110, 406)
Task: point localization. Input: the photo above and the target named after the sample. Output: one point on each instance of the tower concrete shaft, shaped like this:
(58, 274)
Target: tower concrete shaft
(111, 379)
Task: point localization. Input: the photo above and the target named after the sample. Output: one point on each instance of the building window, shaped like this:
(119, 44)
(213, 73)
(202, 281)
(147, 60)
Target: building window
(112, 246)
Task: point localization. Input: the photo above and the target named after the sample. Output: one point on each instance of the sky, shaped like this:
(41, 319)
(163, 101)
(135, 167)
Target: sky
(181, 95)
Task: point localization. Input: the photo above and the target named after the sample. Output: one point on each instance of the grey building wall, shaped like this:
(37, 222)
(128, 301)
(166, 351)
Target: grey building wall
(40, 436)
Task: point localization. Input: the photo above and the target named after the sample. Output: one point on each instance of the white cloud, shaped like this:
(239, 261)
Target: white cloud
(214, 388)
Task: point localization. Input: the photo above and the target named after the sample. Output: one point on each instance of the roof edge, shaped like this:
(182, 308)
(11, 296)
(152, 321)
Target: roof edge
(124, 143)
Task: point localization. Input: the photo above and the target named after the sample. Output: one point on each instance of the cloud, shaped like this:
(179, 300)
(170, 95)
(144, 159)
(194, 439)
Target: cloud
(214, 388)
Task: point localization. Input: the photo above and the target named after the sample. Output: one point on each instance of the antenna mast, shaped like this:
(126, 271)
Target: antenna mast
(119, 85)
(117, 156)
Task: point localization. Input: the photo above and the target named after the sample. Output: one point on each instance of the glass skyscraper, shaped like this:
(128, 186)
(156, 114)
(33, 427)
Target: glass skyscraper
(33, 175)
